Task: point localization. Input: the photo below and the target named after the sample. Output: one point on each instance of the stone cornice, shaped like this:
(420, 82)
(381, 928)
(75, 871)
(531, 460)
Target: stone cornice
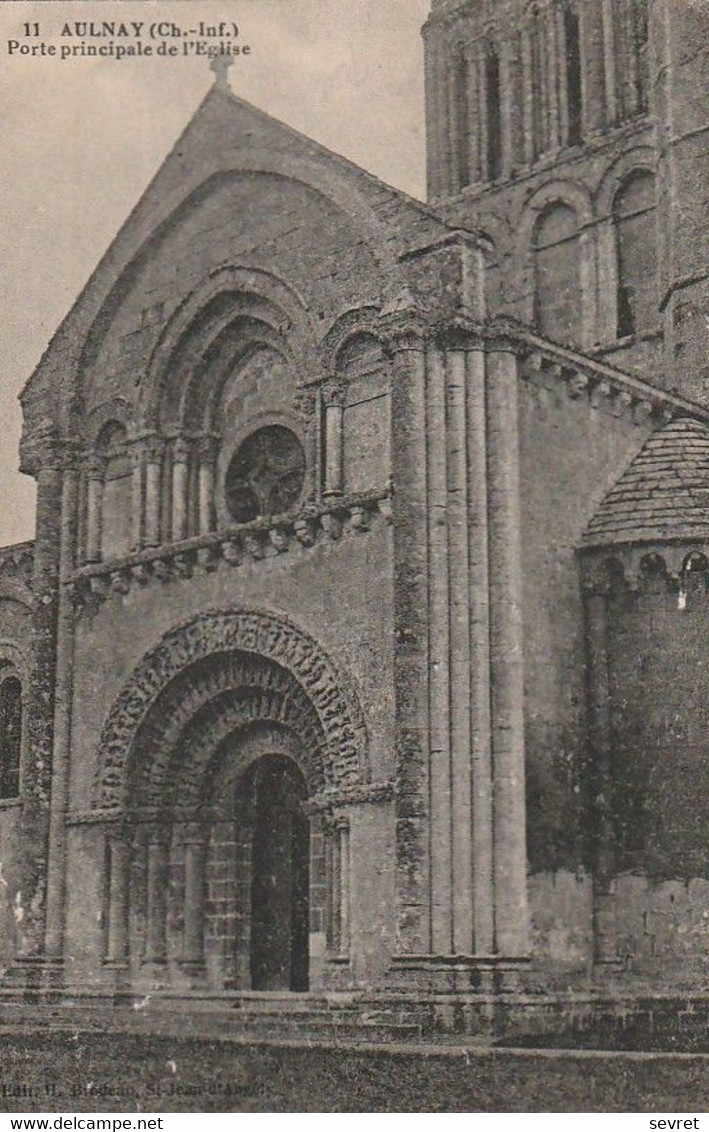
(326, 522)
(600, 383)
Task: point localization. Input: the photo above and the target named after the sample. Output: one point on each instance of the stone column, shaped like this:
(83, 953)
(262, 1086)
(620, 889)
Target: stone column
(439, 673)
(156, 913)
(137, 498)
(118, 900)
(195, 894)
(563, 122)
(458, 555)
(410, 551)
(607, 306)
(512, 104)
(472, 63)
(333, 401)
(63, 691)
(479, 620)
(94, 501)
(153, 478)
(506, 654)
(593, 71)
(605, 931)
(180, 470)
(42, 456)
(528, 97)
(207, 456)
(609, 55)
(481, 72)
(554, 58)
(343, 834)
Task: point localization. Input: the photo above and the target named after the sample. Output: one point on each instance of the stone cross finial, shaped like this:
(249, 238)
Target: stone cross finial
(220, 64)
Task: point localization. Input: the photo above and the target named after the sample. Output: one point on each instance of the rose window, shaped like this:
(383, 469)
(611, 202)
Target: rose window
(266, 475)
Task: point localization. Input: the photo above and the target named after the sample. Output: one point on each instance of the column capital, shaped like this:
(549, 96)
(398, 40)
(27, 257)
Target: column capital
(95, 466)
(181, 449)
(403, 324)
(42, 449)
(506, 335)
(207, 447)
(333, 393)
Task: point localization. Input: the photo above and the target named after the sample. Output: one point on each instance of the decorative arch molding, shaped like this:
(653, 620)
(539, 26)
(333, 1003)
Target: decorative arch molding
(14, 657)
(632, 566)
(570, 193)
(270, 638)
(641, 159)
(140, 243)
(180, 743)
(576, 197)
(118, 410)
(353, 323)
(225, 295)
(15, 589)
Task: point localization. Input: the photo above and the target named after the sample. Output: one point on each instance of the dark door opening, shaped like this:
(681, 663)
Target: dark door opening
(280, 878)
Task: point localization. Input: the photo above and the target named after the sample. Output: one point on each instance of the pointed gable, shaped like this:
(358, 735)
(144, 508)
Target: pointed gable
(663, 494)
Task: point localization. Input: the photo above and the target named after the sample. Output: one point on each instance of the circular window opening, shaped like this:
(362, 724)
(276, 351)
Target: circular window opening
(266, 475)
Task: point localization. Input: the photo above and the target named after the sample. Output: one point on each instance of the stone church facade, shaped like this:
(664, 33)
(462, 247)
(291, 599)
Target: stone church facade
(360, 647)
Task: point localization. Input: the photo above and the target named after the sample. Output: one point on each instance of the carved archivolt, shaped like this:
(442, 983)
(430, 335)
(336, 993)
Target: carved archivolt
(233, 668)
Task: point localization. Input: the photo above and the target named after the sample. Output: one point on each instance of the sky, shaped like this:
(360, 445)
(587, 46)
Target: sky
(82, 138)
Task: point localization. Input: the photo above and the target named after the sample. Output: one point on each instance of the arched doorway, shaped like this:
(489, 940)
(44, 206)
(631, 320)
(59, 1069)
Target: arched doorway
(217, 874)
(279, 891)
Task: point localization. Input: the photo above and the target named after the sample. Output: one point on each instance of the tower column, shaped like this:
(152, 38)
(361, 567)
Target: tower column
(411, 709)
(333, 399)
(605, 931)
(195, 895)
(207, 456)
(42, 456)
(56, 865)
(506, 655)
(156, 918)
(153, 476)
(94, 506)
(118, 900)
(180, 469)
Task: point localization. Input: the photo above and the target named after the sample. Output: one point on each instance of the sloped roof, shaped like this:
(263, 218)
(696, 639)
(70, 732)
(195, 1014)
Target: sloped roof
(663, 494)
(227, 133)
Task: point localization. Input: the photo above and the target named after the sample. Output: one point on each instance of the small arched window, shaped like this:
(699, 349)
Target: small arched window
(538, 81)
(266, 475)
(634, 215)
(10, 736)
(574, 90)
(493, 107)
(557, 274)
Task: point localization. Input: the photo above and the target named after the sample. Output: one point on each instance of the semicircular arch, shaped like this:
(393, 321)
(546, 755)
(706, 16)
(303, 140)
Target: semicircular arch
(285, 661)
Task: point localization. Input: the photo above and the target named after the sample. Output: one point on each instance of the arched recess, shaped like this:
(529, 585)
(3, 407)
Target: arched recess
(139, 241)
(576, 199)
(636, 162)
(232, 668)
(232, 304)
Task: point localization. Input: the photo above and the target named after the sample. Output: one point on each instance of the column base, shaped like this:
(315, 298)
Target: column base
(454, 974)
(35, 972)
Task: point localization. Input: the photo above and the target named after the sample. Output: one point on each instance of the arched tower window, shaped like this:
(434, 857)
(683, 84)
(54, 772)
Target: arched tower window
(10, 736)
(640, 21)
(493, 110)
(574, 91)
(538, 81)
(557, 275)
(636, 243)
(461, 111)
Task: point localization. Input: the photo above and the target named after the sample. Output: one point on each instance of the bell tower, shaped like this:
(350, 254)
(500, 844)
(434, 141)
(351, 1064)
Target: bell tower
(512, 83)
